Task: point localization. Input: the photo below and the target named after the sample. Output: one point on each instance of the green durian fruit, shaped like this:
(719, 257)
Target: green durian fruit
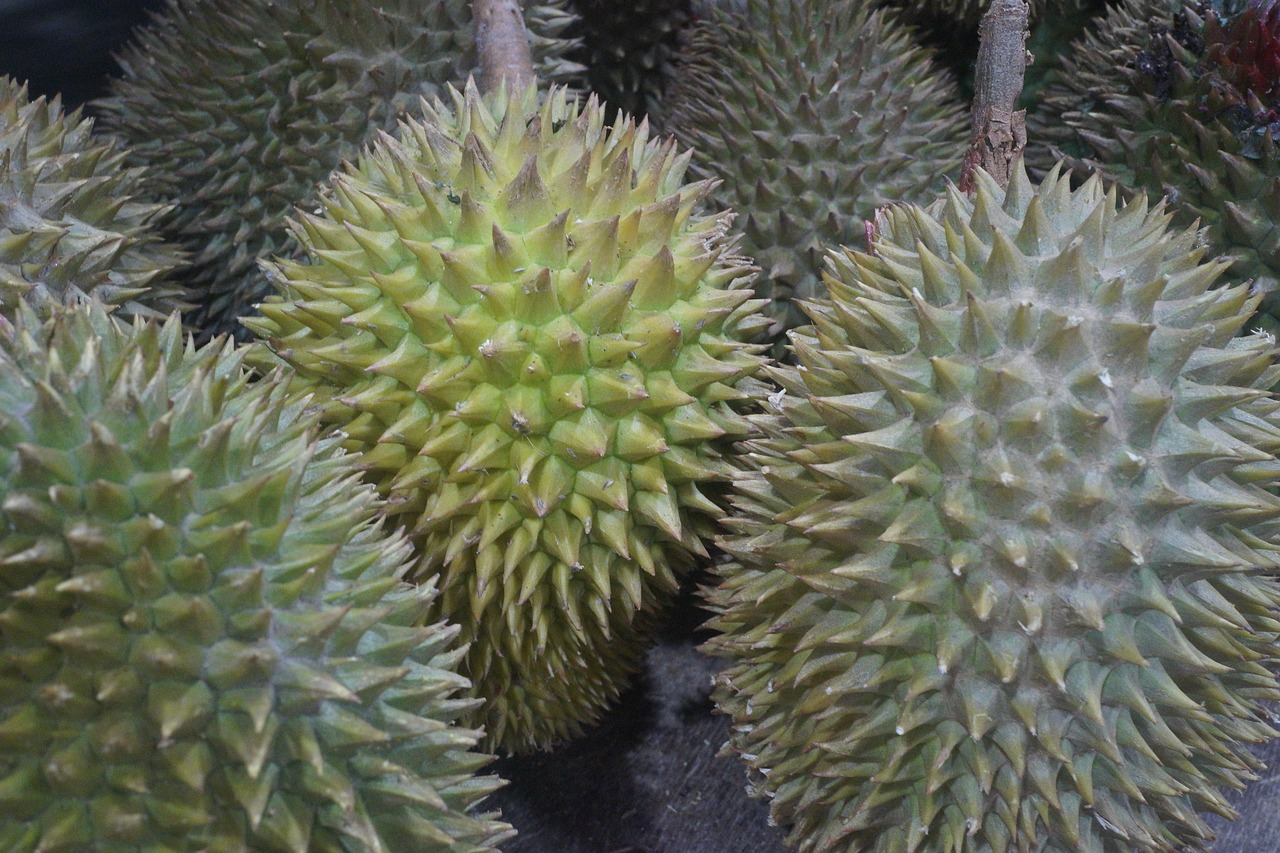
(629, 49)
(1093, 67)
(69, 224)
(812, 113)
(239, 107)
(1006, 557)
(205, 642)
(517, 317)
(1195, 119)
(1049, 40)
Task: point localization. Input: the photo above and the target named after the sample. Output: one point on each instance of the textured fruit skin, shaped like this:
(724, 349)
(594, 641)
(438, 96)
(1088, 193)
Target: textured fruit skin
(629, 49)
(240, 107)
(205, 643)
(1005, 558)
(516, 316)
(1091, 68)
(69, 224)
(1183, 122)
(813, 114)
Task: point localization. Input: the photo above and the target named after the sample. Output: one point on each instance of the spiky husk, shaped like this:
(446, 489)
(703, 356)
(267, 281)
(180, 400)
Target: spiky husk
(813, 114)
(1090, 69)
(629, 50)
(1049, 40)
(205, 643)
(514, 313)
(1006, 557)
(239, 107)
(69, 224)
(1181, 126)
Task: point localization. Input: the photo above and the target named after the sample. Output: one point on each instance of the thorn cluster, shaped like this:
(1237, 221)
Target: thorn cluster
(1190, 117)
(69, 225)
(1005, 559)
(205, 642)
(515, 315)
(240, 107)
(629, 50)
(813, 114)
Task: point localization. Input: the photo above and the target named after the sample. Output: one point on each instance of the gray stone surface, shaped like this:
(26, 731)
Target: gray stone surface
(647, 780)
(1257, 829)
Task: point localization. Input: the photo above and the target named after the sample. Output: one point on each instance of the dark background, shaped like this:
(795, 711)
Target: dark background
(647, 780)
(64, 46)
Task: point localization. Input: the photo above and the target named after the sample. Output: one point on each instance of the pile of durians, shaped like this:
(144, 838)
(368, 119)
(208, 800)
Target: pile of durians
(357, 422)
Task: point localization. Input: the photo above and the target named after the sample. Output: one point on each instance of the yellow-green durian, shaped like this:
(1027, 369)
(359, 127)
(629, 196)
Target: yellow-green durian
(71, 226)
(1006, 556)
(239, 107)
(517, 316)
(205, 640)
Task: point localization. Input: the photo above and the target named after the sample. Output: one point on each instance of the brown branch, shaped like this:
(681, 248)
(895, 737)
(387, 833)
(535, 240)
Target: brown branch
(999, 133)
(503, 44)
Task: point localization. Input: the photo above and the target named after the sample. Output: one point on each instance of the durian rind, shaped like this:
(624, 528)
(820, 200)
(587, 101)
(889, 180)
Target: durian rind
(516, 315)
(1090, 69)
(1005, 558)
(205, 641)
(629, 50)
(240, 107)
(1172, 137)
(71, 226)
(812, 114)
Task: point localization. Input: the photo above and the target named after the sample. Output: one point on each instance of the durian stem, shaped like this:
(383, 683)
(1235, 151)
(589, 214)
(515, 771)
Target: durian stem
(999, 132)
(503, 45)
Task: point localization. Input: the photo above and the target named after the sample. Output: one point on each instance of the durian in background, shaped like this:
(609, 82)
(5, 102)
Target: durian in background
(629, 50)
(1005, 558)
(205, 641)
(239, 107)
(1195, 118)
(812, 114)
(71, 224)
(1049, 42)
(1090, 68)
(952, 30)
(516, 315)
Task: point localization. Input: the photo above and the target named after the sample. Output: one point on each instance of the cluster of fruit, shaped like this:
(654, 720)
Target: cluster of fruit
(471, 381)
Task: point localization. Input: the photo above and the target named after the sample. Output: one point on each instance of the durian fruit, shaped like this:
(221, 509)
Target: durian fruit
(205, 641)
(1006, 555)
(952, 29)
(1196, 120)
(629, 49)
(69, 223)
(517, 317)
(239, 107)
(812, 113)
(1090, 69)
(1049, 42)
